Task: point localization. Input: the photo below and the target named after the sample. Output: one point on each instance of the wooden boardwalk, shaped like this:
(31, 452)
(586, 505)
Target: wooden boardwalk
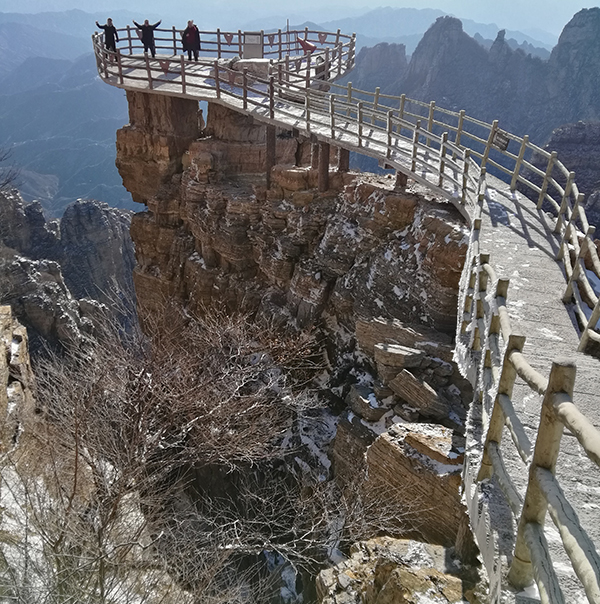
(522, 248)
(518, 237)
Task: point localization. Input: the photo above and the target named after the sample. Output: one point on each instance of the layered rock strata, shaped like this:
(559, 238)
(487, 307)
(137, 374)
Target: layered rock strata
(372, 267)
(214, 233)
(17, 388)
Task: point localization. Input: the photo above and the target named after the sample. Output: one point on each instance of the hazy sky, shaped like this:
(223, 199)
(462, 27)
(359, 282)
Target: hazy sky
(548, 15)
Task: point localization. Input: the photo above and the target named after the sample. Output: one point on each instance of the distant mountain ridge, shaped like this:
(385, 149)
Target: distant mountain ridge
(528, 95)
(407, 26)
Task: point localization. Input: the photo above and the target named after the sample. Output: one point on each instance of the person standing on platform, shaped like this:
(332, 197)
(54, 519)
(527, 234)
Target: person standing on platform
(191, 40)
(111, 37)
(148, 35)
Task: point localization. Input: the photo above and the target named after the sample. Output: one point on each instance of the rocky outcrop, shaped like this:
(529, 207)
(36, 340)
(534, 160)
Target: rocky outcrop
(216, 234)
(97, 255)
(373, 269)
(57, 274)
(150, 147)
(375, 65)
(399, 571)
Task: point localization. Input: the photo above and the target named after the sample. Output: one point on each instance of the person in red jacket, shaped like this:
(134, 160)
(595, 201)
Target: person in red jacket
(111, 37)
(191, 40)
(148, 35)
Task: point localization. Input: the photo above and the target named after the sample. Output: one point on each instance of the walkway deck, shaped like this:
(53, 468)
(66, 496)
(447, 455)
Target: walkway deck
(522, 248)
(518, 237)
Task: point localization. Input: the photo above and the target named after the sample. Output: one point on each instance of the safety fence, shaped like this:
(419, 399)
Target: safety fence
(451, 153)
(487, 339)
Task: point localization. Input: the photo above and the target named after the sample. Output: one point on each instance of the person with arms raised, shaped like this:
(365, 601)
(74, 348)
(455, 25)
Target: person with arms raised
(147, 35)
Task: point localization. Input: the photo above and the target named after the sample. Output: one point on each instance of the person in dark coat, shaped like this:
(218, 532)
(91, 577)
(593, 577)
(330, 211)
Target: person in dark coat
(111, 37)
(148, 35)
(191, 40)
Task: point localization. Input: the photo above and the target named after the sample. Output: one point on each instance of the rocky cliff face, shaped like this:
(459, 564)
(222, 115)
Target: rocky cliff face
(526, 94)
(372, 269)
(56, 274)
(216, 234)
(578, 147)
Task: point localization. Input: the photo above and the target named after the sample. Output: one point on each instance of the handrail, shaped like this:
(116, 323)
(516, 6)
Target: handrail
(308, 80)
(451, 153)
(484, 323)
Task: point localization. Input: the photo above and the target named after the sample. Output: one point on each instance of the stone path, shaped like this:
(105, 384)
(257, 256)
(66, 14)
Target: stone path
(522, 248)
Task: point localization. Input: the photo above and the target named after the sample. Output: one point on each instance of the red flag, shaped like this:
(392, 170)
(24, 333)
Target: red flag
(271, 39)
(228, 37)
(322, 37)
(164, 65)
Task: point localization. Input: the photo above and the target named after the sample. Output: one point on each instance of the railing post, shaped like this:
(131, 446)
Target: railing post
(130, 42)
(506, 384)
(375, 103)
(287, 68)
(308, 61)
(442, 167)
(488, 145)
(218, 43)
(547, 446)
(515, 177)
(388, 151)
(430, 121)
(564, 201)
(460, 126)
(272, 97)
(280, 44)
(217, 79)
(245, 87)
(591, 324)
(359, 116)
(415, 149)
(547, 176)
(119, 66)
(340, 48)
(577, 264)
(574, 213)
(307, 109)
(148, 71)
(240, 48)
(174, 41)
(465, 176)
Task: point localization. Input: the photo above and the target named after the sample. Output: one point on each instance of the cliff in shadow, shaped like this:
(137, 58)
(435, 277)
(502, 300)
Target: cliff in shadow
(58, 275)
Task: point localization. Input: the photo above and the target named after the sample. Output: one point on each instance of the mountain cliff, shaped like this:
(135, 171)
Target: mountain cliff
(57, 275)
(526, 94)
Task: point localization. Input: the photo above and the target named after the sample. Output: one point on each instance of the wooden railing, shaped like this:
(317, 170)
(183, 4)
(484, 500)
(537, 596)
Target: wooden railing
(445, 150)
(485, 328)
(451, 153)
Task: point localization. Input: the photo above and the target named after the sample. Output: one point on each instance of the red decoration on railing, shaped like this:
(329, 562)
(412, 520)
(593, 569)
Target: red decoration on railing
(164, 65)
(271, 39)
(307, 46)
(322, 37)
(298, 64)
(228, 38)
(231, 78)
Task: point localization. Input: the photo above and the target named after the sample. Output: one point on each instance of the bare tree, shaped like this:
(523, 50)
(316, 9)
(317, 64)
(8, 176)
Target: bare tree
(8, 174)
(165, 468)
